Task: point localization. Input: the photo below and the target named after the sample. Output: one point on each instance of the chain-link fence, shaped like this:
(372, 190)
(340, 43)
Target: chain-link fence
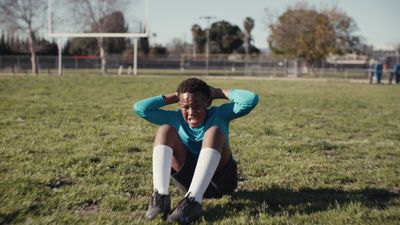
(268, 66)
(218, 65)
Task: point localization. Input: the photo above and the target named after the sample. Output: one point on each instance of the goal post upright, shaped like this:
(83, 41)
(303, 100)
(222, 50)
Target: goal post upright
(132, 35)
(134, 56)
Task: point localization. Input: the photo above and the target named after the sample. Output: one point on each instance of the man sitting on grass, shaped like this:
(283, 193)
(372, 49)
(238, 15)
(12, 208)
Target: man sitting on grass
(192, 146)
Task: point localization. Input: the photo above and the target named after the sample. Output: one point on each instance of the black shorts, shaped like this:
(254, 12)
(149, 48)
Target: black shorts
(223, 182)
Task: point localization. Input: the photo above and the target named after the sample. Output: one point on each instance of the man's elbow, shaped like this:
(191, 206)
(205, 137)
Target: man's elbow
(256, 99)
(137, 109)
(253, 101)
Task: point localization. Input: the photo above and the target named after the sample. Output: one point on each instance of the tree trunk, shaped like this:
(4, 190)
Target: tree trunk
(33, 52)
(33, 61)
(247, 51)
(194, 48)
(103, 56)
(311, 68)
(247, 42)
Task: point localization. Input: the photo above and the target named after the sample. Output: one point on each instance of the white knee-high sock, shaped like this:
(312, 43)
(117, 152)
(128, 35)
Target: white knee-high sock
(207, 164)
(162, 160)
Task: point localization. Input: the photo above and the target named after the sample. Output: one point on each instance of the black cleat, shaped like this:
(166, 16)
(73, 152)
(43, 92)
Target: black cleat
(187, 211)
(159, 204)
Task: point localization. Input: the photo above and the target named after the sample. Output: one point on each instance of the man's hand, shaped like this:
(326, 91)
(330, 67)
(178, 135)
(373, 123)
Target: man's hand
(171, 98)
(217, 93)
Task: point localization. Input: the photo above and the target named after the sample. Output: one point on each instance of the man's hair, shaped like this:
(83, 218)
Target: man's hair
(193, 85)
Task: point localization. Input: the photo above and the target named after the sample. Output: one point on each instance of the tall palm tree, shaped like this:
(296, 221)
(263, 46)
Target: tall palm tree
(248, 25)
(195, 39)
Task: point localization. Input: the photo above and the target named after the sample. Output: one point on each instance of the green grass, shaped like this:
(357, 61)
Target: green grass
(312, 152)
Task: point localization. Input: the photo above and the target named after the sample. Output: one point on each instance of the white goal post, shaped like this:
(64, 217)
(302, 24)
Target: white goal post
(61, 35)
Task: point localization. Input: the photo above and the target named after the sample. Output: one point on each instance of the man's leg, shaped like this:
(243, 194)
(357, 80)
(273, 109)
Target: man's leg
(215, 153)
(168, 151)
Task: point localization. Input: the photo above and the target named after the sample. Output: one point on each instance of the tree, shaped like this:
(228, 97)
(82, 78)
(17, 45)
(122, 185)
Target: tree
(176, 47)
(143, 50)
(83, 46)
(47, 47)
(225, 37)
(94, 15)
(198, 39)
(114, 23)
(143, 47)
(307, 33)
(248, 25)
(26, 16)
(344, 27)
(158, 51)
(3, 45)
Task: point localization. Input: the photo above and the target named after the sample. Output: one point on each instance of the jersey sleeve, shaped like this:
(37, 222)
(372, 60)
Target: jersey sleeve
(149, 109)
(242, 102)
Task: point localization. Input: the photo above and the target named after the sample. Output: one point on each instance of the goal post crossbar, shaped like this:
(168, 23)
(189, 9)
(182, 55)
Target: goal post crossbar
(133, 35)
(92, 34)
(96, 35)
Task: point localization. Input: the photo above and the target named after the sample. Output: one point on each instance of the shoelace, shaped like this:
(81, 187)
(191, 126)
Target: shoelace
(156, 198)
(185, 201)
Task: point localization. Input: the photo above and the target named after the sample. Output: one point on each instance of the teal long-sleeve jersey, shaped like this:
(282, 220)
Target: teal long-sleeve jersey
(241, 103)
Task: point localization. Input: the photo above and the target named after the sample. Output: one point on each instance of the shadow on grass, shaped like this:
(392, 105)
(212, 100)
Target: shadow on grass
(18, 214)
(277, 201)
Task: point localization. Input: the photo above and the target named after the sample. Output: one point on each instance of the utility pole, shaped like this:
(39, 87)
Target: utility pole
(208, 18)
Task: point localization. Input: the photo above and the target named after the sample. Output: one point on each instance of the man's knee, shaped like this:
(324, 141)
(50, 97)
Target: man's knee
(214, 130)
(167, 135)
(166, 129)
(214, 138)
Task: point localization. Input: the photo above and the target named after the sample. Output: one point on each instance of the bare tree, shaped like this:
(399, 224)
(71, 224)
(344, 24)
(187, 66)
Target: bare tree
(176, 47)
(26, 16)
(92, 15)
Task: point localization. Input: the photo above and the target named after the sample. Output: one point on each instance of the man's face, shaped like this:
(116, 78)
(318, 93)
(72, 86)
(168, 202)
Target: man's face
(194, 108)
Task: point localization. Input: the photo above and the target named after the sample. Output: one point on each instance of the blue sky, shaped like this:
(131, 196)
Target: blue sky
(377, 20)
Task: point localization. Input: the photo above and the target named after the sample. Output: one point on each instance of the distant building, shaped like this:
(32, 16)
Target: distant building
(369, 56)
(387, 57)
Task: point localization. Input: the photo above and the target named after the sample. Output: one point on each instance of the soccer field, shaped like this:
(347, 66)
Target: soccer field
(311, 152)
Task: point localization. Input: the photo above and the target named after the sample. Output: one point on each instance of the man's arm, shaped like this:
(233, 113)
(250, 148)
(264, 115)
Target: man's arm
(150, 109)
(242, 102)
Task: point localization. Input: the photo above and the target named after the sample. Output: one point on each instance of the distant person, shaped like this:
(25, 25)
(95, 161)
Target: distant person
(395, 74)
(192, 146)
(376, 73)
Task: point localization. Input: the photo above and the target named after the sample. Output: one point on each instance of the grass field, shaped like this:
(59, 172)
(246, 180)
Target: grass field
(312, 152)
